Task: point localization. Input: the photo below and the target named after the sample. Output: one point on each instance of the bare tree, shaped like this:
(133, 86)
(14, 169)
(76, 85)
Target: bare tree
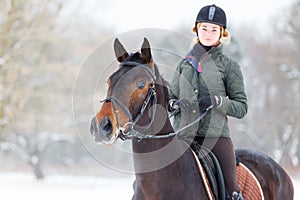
(22, 21)
(41, 50)
(32, 149)
(287, 62)
(272, 75)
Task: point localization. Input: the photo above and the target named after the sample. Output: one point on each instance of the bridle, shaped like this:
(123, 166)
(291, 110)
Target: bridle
(127, 131)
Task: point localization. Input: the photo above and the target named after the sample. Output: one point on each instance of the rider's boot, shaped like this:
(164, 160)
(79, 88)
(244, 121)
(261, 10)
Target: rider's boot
(236, 196)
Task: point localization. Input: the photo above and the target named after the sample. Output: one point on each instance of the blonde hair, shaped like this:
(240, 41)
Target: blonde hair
(224, 36)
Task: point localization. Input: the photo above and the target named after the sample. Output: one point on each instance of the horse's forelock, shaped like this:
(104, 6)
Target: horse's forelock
(135, 57)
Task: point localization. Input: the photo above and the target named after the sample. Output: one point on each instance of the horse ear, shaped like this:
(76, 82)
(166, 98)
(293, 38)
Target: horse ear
(120, 51)
(146, 51)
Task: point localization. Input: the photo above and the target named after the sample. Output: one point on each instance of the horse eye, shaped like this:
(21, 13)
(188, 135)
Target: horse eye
(140, 84)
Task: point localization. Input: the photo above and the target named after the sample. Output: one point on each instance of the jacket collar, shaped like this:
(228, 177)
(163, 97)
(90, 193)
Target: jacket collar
(194, 60)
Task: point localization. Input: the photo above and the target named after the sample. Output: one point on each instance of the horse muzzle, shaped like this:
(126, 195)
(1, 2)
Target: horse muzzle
(102, 132)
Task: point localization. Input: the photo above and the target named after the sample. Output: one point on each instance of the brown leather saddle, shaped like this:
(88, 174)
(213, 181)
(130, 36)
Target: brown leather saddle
(213, 180)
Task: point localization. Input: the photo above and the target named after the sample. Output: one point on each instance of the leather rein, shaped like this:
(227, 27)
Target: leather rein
(127, 131)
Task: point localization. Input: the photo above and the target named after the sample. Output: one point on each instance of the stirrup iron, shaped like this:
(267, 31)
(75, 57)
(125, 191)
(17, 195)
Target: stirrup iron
(236, 196)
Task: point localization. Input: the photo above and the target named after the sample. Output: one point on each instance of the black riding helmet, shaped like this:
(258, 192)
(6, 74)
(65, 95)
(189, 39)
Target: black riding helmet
(212, 14)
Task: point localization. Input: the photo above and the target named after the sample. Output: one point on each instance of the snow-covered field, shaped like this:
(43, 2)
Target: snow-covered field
(15, 186)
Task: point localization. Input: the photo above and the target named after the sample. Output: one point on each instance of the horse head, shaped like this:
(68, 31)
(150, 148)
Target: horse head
(130, 89)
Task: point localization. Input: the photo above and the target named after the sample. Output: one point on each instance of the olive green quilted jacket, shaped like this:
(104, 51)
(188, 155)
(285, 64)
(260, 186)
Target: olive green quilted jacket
(220, 76)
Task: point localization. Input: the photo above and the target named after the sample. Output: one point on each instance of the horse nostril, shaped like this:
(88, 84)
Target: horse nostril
(106, 126)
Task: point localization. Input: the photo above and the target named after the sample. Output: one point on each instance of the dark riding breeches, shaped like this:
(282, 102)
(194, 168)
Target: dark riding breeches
(224, 151)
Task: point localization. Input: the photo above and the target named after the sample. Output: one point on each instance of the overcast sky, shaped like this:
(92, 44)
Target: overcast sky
(134, 14)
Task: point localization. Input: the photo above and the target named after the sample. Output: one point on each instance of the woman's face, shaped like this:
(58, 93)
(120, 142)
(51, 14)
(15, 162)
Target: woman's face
(209, 34)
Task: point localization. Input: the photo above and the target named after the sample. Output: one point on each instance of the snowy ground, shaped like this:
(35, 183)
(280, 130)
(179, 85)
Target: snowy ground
(15, 186)
(24, 186)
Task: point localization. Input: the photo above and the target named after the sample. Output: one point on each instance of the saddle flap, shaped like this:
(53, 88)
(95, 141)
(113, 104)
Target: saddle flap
(248, 183)
(211, 173)
(203, 176)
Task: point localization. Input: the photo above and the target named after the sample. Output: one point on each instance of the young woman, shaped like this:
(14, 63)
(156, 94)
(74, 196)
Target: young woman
(216, 81)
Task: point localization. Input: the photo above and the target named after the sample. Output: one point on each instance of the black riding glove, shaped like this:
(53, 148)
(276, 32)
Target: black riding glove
(209, 102)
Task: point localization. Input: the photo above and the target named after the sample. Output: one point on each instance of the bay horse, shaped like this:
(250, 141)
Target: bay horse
(165, 168)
